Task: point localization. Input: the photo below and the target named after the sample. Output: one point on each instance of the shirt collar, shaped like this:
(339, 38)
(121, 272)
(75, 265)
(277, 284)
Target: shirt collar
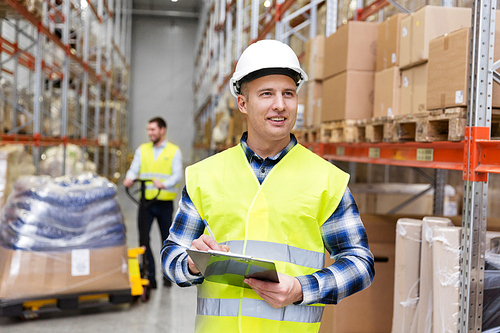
(250, 154)
(162, 145)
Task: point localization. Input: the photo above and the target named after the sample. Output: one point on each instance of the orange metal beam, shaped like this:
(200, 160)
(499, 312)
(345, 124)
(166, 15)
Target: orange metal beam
(364, 13)
(445, 154)
(484, 154)
(38, 140)
(92, 7)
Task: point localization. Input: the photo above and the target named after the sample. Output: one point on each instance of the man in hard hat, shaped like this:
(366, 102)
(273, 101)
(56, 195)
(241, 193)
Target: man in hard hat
(269, 198)
(161, 161)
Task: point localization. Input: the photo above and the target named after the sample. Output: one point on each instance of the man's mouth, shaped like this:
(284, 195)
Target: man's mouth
(277, 118)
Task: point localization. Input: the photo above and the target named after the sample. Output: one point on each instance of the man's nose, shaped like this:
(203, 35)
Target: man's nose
(279, 103)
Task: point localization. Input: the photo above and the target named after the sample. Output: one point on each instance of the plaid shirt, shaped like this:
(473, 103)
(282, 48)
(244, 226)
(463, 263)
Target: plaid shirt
(343, 234)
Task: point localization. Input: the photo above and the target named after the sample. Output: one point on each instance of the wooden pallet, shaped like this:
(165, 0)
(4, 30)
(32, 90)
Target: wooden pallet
(307, 134)
(346, 130)
(436, 125)
(379, 129)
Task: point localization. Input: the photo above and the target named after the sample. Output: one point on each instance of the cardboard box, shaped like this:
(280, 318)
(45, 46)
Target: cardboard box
(405, 42)
(428, 23)
(419, 88)
(26, 274)
(407, 273)
(313, 103)
(374, 303)
(348, 95)
(448, 71)
(406, 91)
(388, 37)
(315, 58)
(414, 89)
(352, 47)
(425, 303)
(387, 99)
(446, 282)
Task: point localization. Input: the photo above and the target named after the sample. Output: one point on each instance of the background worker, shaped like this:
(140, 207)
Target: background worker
(160, 161)
(271, 198)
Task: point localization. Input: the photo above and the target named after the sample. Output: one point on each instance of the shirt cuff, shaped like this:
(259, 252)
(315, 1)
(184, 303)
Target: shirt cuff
(310, 289)
(192, 278)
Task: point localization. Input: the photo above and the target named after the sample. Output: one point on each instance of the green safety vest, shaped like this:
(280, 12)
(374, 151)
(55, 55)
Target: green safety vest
(278, 220)
(160, 169)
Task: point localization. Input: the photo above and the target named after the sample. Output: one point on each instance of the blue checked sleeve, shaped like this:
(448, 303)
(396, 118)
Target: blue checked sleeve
(187, 226)
(353, 270)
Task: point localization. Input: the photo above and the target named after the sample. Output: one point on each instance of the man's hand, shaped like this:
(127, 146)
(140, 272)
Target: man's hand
(158, 184)
(204, 243)
(278, 295)
(128, 182)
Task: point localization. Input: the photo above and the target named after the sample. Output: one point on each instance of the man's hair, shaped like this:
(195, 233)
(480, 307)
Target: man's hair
(159, 121)
(244, 89)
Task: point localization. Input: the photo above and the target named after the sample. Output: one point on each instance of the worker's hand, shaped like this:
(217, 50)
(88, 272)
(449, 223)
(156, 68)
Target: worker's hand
(286, 292)
(158, 184)
(128, 182)
(204, 243)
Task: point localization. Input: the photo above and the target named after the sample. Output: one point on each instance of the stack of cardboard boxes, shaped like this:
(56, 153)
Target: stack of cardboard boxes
(313, 65)
(449, 57)
(388, 78)
(417, 32)
(349, 69)
(403, 65)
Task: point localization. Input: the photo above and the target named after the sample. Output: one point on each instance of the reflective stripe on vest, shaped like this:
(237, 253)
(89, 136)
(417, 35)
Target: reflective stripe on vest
(279, 220)
(279, 252)
(159, 169)
(258, 309)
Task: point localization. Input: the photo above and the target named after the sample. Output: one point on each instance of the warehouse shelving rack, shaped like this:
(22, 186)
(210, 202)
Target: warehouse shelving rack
(476, 156)
(76, 54)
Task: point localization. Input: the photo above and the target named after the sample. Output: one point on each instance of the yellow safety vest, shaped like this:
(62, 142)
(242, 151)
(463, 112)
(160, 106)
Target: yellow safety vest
(159, 169)
(277, 220)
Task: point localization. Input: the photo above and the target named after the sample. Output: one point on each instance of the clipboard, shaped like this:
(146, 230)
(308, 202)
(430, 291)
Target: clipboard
(231, 268)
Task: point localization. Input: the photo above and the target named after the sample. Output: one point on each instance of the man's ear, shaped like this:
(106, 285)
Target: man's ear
(242, 104)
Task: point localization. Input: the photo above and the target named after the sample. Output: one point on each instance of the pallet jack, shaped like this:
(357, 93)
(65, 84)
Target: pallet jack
(144, 263)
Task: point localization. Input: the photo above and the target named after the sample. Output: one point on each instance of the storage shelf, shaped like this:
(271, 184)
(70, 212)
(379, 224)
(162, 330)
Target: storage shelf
(437, 155)
(81, 72)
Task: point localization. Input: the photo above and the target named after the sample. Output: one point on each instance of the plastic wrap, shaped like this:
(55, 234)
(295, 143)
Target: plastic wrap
(14, 162)
(407, 275)
(61, 236)
(59, 214)
(425, 304)
(491, 300)
(446, 281)
(28, 274)
(52, 161)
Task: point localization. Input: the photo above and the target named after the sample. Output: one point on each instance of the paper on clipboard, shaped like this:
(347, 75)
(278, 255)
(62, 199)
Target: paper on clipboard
(231, 268)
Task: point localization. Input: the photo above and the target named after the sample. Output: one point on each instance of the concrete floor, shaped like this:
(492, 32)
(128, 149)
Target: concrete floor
(168, 310)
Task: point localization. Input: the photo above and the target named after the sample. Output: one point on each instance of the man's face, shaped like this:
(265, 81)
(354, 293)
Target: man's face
(155, 133)
(271, 108)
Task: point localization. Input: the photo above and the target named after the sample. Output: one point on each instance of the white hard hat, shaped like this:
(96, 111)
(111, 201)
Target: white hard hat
(266, 57)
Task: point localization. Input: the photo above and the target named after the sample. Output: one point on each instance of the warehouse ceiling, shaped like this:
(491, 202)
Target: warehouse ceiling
(179, 8)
